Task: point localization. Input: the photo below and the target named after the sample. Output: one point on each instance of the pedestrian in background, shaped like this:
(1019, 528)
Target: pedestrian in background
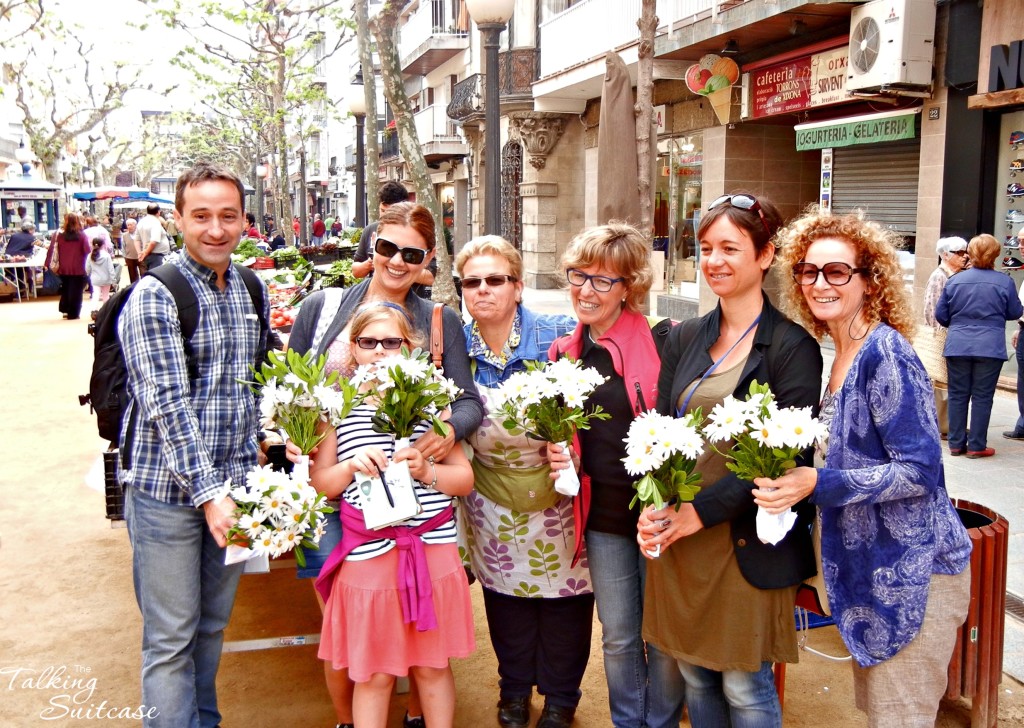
(71, 247)
(1017, 433)
(931, 341)
(101, 271)
(975, 306)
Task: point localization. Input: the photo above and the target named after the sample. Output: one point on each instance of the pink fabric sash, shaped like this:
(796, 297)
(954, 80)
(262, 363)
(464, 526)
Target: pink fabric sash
(415, 591)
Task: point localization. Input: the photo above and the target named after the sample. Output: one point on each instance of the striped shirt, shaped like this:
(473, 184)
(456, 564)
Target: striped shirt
(190, 436)
(355, 433)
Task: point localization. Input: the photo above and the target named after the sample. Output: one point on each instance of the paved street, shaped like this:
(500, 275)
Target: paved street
(992, 482)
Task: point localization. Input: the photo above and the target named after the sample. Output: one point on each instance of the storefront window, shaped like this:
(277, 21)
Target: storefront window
(677, 205)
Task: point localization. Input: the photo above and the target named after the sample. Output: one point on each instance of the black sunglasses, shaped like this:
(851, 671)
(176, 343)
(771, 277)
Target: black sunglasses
(390, 343)
(493, 281)
(836, 274)
(412, 256)
(748, 203)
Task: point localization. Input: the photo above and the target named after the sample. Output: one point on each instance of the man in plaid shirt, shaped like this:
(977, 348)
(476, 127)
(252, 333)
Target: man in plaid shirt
(195, 426)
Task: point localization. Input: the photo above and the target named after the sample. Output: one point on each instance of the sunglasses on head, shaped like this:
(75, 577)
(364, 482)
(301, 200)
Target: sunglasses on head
(412, 256)
(836, 274)
(492, 281)
(390, 343)
(748, 203)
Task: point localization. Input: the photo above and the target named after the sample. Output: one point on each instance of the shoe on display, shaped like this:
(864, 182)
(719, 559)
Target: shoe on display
(1014, 189)
(1015, 216)
(1017, 164)
(1012, 243)
(1012, 263)
(1016, 138)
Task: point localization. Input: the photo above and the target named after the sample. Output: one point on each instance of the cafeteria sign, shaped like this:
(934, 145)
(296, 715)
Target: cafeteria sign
(867, 130)
(805, 83)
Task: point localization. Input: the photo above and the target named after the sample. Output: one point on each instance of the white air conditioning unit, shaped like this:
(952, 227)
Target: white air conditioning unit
(892, 43)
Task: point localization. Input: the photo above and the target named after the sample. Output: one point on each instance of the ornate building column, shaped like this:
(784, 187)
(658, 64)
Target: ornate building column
(545, 205)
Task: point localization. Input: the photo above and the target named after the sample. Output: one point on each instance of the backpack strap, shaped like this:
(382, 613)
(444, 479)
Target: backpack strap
(254, 285)
(437, 335)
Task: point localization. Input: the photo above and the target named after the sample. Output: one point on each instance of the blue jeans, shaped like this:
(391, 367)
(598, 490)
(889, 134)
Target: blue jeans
(644, 689)
(185, 594)
(972, 382)
(731, 698)
(1019, 427)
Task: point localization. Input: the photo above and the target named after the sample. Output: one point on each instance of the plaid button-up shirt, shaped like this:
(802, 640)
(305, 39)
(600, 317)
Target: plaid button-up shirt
(190, 436)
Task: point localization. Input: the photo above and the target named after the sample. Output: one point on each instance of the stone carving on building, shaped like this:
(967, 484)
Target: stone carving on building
(538, 132)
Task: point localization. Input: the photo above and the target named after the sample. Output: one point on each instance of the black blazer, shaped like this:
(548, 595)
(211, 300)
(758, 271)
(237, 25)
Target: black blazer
(786, 357)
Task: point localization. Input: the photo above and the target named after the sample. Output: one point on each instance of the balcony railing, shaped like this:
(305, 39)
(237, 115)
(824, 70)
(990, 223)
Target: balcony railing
(433, 125)
(467, 98)
(609, 24)
(443, 21)
(389, 144)
(517, 70)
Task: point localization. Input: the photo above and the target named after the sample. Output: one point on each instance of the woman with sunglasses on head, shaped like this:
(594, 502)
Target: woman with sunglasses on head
(373, 629)
(719, 600)
(609, 274)
(539, 619)
(404, 246)
(894, 553)
(975, 305)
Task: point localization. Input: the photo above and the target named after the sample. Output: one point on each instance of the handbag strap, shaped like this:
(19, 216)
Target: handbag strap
(437, 335)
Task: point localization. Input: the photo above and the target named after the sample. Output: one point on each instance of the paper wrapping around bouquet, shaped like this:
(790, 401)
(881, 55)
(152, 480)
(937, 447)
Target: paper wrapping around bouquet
(721, 102)
(254, 563)
(773, 528)
(568, 481)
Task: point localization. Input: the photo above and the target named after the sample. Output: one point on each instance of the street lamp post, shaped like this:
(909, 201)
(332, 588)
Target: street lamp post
(490, 17)
(357, 107)
(23, 155)
(88, 176)
(261, 176)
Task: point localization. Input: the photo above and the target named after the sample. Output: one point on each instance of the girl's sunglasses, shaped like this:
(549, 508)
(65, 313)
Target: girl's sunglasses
(742, 202)
(391, 343)
(412, 256)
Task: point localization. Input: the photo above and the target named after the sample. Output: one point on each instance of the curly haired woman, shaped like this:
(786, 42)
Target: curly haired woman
(895, 556)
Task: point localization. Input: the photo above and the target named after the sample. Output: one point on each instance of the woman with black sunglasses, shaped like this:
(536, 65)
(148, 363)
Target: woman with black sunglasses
(404, 246)
(609, 273)
(718, 600)
(895, 556)
(539, 615)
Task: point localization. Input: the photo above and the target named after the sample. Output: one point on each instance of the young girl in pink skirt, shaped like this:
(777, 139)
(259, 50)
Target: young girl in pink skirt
(397, 599)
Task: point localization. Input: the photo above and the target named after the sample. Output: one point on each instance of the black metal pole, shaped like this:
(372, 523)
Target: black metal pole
(360, 201)
(492, 134)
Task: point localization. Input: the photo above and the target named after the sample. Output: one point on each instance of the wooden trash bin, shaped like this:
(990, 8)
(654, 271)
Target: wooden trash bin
(977, 665)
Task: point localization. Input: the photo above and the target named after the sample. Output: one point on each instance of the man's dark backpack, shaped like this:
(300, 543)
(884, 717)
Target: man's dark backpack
(108, 385)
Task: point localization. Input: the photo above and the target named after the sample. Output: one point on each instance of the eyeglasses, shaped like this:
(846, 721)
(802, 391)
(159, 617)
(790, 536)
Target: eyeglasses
(412, 256)
(493, 281)
(961, 253)
(601, 284)
(742, 202)
(836, 274)
(391, 343)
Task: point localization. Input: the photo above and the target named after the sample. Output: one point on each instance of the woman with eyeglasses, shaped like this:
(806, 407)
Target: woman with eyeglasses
(975, 306)
(404, 246)
(609, 275)
(718, 600)
(952, 254)
(894, 553)
(540, 607)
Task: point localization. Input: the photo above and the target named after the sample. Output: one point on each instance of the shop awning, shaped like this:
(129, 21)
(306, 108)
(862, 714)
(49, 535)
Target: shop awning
(888, 126)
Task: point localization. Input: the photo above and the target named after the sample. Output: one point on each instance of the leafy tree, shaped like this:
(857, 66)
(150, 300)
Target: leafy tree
(259, 58)
(18, 17)
(385, 30)
(60, 101)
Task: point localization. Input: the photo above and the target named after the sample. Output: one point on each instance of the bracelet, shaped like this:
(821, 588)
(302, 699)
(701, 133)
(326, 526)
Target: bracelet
(433, 471)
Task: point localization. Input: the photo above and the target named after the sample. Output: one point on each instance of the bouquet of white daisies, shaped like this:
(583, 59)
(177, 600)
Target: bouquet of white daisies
(663, 451)
(276, 513)
(766, 441)
(297, 394)
(546, 401)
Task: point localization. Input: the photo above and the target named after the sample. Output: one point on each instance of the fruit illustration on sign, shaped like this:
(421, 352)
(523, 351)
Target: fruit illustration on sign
(712, 73)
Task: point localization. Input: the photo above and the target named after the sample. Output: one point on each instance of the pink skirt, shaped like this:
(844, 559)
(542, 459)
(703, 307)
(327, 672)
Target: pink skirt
(363, 626)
